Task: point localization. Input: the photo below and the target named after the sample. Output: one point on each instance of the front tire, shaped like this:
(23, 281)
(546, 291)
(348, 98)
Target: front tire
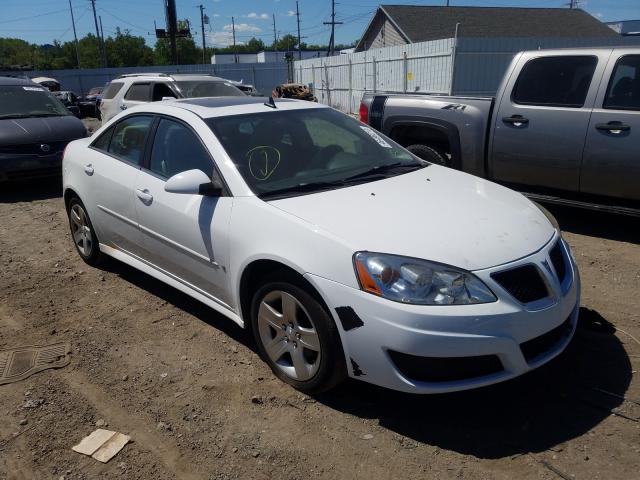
(296, 337)
(83, 234)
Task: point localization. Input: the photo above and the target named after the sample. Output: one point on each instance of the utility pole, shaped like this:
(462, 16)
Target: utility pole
(95, 19)
(333, 24)
(233, 29)
(172, 24)
(104, 47)
(75, 36)
(204, 46)
(298, 18)
(275, 37)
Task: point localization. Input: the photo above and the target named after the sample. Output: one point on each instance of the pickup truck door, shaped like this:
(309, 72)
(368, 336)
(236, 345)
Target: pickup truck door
(611, 163)
(542, 118)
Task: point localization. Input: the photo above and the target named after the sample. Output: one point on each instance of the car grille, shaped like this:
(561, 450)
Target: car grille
(536, 347)
(557, 259)
(445, 369)
(524, 283)
(32, 148)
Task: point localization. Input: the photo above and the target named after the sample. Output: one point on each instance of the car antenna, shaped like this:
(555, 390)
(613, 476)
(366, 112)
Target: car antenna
(270, 103)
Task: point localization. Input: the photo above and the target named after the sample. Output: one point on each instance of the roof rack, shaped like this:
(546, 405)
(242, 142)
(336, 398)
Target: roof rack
(149, 74)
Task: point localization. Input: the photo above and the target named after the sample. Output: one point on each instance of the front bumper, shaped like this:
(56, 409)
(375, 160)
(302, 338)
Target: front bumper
(519, 336)
(20, 167)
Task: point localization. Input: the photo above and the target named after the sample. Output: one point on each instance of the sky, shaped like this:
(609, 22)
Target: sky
(42, 21)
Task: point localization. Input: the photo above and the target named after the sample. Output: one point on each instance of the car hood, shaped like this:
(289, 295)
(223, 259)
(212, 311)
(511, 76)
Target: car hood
(48, 129)
(434, 213)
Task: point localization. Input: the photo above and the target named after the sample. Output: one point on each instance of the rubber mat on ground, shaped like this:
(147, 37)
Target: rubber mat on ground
(19, 363)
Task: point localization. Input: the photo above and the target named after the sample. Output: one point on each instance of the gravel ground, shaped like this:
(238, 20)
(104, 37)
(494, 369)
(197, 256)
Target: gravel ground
(188, 387)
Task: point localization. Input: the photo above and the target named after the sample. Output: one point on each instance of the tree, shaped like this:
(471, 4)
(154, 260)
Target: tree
(126, 50)
(287, 43)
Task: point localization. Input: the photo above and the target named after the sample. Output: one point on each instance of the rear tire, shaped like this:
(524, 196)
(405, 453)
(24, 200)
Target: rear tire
(83, 234)
(297, 337)
(429, 154)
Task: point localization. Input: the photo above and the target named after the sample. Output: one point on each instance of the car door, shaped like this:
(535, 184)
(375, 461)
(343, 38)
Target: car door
(611, 163)
(138, 93)
(184, 235)
(111, 170)
(540, 127)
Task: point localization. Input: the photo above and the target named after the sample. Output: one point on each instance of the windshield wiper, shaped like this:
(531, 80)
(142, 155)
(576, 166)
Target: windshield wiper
(380, 170)
(302, 188)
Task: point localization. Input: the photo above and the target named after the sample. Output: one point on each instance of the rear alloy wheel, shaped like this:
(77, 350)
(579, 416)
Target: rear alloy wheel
(429, 154)
(82, 233)
(297, 338)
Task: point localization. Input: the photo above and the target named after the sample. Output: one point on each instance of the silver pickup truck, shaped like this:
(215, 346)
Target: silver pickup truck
(564, 126)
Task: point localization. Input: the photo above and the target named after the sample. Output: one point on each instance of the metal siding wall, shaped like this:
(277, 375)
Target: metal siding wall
(482, 62)
(264, 76)
(428, 65)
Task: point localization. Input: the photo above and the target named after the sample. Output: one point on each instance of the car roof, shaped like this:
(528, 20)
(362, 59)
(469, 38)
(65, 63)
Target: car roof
(5, 80)
(209, 107)
(171, 77)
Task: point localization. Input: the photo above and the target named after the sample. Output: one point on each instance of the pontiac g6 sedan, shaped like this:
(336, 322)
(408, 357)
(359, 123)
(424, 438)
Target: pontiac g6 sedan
(343, 253)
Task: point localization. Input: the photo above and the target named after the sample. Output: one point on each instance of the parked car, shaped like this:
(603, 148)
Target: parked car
(564, 126)
(134, 89)
(35, 128)
(69, 100)
(342, 252)
(247, 88)
(89, 104)
(51, 84)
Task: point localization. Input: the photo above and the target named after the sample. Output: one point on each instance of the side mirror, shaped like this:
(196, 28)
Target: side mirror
(193, 182)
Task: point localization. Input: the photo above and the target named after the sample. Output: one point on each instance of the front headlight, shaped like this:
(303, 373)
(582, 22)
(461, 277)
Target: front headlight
(420, 282)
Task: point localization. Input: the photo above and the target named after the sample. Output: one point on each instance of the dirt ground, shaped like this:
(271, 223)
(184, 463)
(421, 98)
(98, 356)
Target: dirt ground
(188, 387)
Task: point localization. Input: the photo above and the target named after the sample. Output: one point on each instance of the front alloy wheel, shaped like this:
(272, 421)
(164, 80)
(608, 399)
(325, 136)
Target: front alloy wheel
(297, 337)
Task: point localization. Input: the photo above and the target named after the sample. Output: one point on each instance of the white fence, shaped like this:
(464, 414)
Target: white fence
(340, 81)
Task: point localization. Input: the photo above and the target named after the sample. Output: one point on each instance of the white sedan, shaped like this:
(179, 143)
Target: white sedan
(341, 251)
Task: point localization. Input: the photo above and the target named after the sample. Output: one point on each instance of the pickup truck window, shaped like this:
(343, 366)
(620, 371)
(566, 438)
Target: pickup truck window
(555, 81)
(623, 92)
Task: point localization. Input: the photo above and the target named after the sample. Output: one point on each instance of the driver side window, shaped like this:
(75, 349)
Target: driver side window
(177, 149)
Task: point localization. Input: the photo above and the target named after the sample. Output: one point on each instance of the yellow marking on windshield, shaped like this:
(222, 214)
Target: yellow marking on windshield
(263, 161)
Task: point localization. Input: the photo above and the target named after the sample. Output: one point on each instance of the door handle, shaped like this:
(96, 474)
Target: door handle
(123, 107)
(616, 128)
(516, 120)
(88, 169)
(145, 196)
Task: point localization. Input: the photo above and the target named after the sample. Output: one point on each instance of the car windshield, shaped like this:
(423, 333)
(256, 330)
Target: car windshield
(286, 153)
(22, 101)
(204, 88)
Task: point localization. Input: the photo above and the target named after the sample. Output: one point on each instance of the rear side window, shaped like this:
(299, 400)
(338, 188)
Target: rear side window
(112, 89)
(138, 91)
(623, 92)
(129, 137)
(555, 81)
(177, 149)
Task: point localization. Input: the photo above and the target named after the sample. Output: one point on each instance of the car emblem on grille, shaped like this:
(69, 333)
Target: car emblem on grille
(44, 147)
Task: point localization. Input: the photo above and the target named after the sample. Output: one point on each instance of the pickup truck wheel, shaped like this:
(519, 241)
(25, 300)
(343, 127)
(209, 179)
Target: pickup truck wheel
(429, 154)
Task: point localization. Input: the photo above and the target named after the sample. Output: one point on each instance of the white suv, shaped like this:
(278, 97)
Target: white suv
(137, 88)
